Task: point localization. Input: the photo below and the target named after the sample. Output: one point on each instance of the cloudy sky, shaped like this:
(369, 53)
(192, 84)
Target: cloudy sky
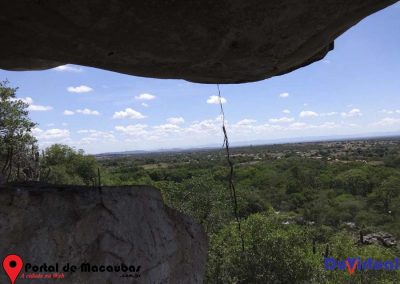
(354, 90)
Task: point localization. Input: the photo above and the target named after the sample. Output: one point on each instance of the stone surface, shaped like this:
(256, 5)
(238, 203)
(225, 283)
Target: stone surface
(380, 238)
(75, 225)
(208, 41)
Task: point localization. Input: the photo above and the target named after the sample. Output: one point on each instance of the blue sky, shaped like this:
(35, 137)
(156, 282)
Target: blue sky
(354, 90)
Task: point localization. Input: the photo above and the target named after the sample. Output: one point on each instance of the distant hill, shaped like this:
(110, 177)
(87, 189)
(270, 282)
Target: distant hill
(379, 135)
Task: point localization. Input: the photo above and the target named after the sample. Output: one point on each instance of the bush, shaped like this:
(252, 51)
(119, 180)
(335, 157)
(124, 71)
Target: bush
(274, 253)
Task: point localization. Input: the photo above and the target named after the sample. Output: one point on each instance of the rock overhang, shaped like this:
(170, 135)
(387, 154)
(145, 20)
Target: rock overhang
(226, 41)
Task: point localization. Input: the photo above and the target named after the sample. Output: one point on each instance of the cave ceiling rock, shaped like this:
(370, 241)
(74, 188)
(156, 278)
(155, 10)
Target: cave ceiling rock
(208, 41)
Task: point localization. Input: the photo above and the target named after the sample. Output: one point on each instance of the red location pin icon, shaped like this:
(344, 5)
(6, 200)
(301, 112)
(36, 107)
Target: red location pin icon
(12, 264)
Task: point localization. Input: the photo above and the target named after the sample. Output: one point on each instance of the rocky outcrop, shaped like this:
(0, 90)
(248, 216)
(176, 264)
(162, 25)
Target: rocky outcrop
(208, 41)
(118, 226)
(380, 238)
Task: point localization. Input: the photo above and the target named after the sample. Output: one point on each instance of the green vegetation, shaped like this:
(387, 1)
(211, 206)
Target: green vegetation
(20, 159)
(64, 165)
(297, 202)
(18, 148)
(296, 206)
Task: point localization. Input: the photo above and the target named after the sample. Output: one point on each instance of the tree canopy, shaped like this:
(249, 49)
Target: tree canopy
(18, 148)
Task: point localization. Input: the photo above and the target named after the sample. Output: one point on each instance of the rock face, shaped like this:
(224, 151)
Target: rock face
(208, 41)
(124, 225)
(380, 238)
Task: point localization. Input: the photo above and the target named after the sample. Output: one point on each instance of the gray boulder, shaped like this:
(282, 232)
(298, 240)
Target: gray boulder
(380, 238)
(119, 225)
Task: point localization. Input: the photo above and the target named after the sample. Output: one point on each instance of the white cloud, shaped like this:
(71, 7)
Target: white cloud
(68, 68)
(328, 113)
(174, 134)
(246, 122)
(32, 106)
(308, 113)
(145, 97)
(133, 130)
(145, 105)
(165, 129)
(175, 120)
(352, 113)
(298, 126)
(286, 111)
(128, 113)
(68, 112)
(350, 124)
(284, 95)
(387, 121)
(87, 111)
(247, 127)
(27, 100)
(215, 100)
(51, 134)
(303, 126)
(96, 136)
(39, 108)
(328, 125)
(387, 111)
(83, 131)
(205, 127)
(79, 89)
(281, 120)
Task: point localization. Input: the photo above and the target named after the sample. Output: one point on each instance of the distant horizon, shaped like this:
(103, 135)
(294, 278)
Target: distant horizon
(354, 90)
(294, 140)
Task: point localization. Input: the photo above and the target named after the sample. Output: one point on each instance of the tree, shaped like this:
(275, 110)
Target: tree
(65, 165)
(200, 197)
(383, 197)
(355, 181)
(18, 149)
(274, 253)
